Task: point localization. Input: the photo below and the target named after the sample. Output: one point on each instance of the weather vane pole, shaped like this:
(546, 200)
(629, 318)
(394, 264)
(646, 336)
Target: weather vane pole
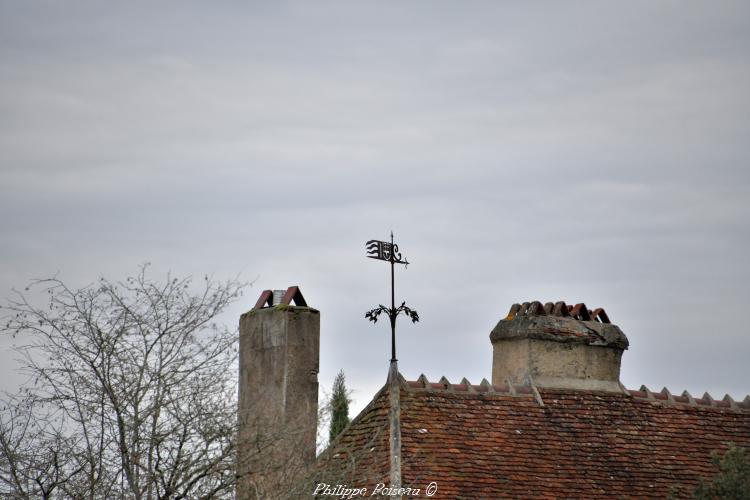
(382, 250)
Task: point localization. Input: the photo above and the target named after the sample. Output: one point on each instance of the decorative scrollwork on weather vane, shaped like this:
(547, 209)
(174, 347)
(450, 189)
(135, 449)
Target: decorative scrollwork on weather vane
(383, 250)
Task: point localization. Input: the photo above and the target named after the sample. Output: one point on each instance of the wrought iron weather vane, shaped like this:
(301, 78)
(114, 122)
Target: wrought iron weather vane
(382, 250)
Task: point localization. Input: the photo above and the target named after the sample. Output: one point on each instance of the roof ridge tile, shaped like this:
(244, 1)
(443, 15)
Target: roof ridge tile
(469, 386)
(649, 394)
(707, 400)
(728, 399)
(691, 399)
(537, 396)
(488, 387)
(665, 395)
(686, 398)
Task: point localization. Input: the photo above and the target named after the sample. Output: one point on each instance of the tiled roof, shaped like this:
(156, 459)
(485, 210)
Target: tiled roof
(484, 441)
(359, 455)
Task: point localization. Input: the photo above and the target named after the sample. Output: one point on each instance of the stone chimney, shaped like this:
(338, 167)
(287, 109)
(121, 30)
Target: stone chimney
(278, 392)
(556, 345)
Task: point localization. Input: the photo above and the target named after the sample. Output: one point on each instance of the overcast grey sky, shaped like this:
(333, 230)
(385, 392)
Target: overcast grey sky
(591, 152)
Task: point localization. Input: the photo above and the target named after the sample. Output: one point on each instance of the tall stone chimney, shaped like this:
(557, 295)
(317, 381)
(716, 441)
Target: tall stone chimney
(278, 392)
(556, 345)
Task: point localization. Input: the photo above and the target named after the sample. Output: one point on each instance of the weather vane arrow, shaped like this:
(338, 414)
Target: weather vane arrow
(382, 250)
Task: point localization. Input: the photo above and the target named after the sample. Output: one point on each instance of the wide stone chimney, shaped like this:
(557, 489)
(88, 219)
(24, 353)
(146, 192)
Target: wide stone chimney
(556, 345)
(278, 392)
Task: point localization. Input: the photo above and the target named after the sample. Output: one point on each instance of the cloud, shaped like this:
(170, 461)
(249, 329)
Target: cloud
(589, 153)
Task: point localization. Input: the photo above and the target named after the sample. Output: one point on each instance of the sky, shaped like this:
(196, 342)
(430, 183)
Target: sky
(592, 152)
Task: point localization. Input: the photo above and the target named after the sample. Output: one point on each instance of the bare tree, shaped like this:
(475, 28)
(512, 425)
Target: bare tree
(131, 391)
